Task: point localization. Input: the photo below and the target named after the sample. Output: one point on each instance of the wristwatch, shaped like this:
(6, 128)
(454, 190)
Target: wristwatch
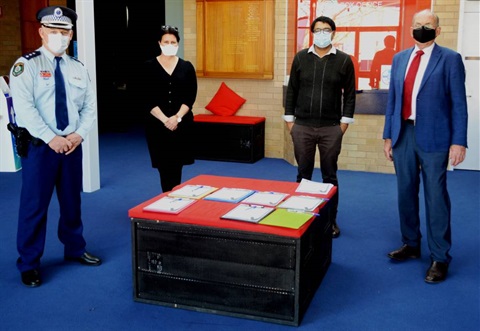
(179, 119)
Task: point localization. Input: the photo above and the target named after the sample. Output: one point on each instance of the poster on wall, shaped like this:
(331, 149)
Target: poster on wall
(9, 160)
(367, 30)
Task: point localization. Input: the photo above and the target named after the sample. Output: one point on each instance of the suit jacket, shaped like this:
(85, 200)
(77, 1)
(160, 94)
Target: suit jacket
(441, 114)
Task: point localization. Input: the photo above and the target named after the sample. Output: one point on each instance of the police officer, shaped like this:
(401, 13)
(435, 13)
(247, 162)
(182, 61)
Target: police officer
(58, 110)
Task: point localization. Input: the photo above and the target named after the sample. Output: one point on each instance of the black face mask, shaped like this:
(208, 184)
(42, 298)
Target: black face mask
(423, 35)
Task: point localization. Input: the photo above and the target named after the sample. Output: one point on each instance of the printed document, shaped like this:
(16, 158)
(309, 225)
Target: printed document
(192, 191)
(302, 202)
(308, 186)
(169, 205)
(248, 213)
(265, 198)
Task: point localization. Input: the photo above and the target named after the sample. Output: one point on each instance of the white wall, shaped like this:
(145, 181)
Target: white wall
(174, 16)
(468, 46)
(86, 54)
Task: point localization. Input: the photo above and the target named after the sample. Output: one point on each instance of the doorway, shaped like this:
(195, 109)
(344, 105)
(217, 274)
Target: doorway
(125, 36)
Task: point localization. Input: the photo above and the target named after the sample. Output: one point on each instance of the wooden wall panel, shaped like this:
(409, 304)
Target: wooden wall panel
(235, 38)
(29, 25)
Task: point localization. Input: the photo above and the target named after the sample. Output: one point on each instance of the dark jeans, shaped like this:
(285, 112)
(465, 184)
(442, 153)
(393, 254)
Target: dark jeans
(328, 139)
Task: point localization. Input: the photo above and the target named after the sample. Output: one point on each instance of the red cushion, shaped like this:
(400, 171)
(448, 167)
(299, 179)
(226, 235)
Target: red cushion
(225, 102)
(228, 119)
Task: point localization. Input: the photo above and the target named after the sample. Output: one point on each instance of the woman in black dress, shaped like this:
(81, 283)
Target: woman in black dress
(169, 92)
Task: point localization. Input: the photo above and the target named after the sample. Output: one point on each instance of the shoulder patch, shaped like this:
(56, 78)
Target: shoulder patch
(17, 69)
(31, 55)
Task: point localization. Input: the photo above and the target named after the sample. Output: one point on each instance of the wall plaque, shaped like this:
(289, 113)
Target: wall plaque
(235, 38)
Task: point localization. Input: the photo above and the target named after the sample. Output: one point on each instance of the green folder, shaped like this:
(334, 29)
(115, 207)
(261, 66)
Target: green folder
(287, 218)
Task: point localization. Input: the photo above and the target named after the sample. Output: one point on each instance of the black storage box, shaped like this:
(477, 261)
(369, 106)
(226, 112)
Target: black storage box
(233, 138)
(238, 273)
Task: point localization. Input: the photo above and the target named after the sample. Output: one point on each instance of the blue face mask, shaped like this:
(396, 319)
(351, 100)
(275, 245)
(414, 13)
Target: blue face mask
(322, 40)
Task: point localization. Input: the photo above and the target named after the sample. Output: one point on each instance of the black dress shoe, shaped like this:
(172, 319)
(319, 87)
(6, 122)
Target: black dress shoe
(85, 259)
(437, 272)
(31, 278)
(405, 252)
(335, 230)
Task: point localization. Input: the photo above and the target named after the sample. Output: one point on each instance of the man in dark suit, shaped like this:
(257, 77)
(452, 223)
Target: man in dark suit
(424, 129)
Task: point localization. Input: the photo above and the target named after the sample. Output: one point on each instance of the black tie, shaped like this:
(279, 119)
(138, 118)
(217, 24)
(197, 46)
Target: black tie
(61, 112)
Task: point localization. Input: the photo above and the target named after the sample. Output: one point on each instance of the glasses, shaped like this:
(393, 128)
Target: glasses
(169, 27)
(426, 26)
(325, 31)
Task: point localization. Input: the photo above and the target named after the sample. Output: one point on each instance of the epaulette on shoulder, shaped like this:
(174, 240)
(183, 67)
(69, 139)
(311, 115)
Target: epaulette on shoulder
(75, 59)
(31, 55)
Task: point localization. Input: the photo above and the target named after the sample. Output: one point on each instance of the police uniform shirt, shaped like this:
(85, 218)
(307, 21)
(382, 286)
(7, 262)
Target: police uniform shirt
(32, 85)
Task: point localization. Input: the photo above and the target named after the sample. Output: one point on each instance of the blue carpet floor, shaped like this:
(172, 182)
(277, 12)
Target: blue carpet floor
(362, 290)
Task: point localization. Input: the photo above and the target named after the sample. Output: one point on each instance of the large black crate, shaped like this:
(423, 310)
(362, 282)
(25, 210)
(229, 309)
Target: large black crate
(235, 142)
(239, 273)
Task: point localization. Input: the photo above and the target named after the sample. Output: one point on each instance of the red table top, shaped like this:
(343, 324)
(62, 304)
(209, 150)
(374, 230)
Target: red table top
(208, 213)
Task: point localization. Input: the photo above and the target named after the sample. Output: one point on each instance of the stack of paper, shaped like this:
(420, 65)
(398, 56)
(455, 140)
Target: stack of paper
(227, 194)
(302, 203)
(169, 205)
(248, 213)
(265, 198)
(192, 191)
(308, 186)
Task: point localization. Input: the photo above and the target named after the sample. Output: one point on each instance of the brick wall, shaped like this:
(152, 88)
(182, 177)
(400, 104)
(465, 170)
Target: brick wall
(10, 35)
(448, 12)
(10, 38)
(264, 97)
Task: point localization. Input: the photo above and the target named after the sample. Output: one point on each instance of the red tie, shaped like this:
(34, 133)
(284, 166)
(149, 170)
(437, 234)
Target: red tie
(408, 85)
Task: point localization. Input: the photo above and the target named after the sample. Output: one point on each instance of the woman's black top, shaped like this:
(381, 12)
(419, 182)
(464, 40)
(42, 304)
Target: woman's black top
(168, 92)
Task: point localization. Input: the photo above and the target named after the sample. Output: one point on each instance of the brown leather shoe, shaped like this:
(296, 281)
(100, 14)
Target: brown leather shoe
(437, 272)
(335, 230)
(405, 252)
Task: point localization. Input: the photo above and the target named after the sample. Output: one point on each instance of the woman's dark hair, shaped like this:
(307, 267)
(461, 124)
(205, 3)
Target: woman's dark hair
(323, 19)
(168, 29)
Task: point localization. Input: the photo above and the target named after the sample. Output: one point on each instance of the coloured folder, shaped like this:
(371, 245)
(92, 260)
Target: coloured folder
(287, 218)
(227, 194)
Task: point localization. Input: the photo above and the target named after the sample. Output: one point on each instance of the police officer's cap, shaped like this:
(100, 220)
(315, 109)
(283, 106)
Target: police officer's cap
(57, 17)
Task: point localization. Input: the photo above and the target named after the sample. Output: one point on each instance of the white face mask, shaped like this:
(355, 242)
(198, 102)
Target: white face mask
(169, 50)
(58, 43)
(322, 40)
